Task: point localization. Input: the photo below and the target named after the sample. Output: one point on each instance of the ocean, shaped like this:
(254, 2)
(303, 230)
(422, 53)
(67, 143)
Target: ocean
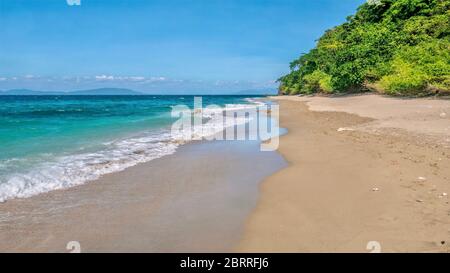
(55, 142)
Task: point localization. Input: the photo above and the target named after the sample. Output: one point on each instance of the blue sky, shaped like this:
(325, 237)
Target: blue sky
(159, 45)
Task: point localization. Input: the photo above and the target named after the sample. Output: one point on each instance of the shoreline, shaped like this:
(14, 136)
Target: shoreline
(358, 172)
(349, 171)
(70, 159)
(170, 204)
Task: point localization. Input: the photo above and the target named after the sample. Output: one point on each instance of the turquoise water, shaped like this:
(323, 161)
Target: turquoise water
(53, 142)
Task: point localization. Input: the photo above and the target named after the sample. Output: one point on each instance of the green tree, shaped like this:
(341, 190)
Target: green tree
(398, 46)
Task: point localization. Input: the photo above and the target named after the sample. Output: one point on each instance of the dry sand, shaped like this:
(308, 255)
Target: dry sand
(362, 168)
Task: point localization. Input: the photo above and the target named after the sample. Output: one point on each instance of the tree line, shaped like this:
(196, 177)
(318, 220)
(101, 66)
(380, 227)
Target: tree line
(395, 47)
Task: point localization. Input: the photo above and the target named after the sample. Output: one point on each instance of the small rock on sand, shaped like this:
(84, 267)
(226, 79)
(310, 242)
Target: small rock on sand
(342, 129)
(443, 115)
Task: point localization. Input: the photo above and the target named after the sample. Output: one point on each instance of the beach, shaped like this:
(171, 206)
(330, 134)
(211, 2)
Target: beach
(361, 169)
(143, 188)
(351, 170)
(231, 127)
(195, 200)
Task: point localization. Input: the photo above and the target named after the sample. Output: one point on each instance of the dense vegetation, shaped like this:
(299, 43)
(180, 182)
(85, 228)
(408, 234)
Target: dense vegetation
(397, 47)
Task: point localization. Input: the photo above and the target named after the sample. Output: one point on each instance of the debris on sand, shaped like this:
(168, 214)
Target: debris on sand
(342, 129)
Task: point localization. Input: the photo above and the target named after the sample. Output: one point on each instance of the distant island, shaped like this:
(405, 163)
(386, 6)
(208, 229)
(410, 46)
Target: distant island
(394, 47)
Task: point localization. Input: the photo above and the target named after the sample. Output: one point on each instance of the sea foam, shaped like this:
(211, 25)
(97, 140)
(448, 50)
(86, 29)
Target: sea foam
(78, 168)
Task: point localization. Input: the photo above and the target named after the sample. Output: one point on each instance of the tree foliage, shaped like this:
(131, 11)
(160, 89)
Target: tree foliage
(399, 47)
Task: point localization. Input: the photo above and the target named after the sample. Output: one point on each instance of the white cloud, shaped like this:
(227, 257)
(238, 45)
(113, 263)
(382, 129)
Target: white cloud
(136, 82)
(104, 78)
(136, 79)
(129, 78)
(156, 79)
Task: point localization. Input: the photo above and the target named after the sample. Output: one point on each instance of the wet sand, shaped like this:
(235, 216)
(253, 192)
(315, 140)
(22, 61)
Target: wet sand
(361, 168)
(195, 200)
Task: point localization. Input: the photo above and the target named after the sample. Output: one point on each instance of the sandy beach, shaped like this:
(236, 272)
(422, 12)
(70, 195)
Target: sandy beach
(361, 168)
(350, 170)
(195, 200)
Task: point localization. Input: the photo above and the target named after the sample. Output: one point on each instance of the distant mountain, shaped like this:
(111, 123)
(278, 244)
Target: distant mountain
(91, 92)
(267, 91)
(26, 92)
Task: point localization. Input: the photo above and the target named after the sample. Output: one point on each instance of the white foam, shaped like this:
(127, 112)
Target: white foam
(255, 101)
(217, 121)
(76, 169)
(71, 170)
